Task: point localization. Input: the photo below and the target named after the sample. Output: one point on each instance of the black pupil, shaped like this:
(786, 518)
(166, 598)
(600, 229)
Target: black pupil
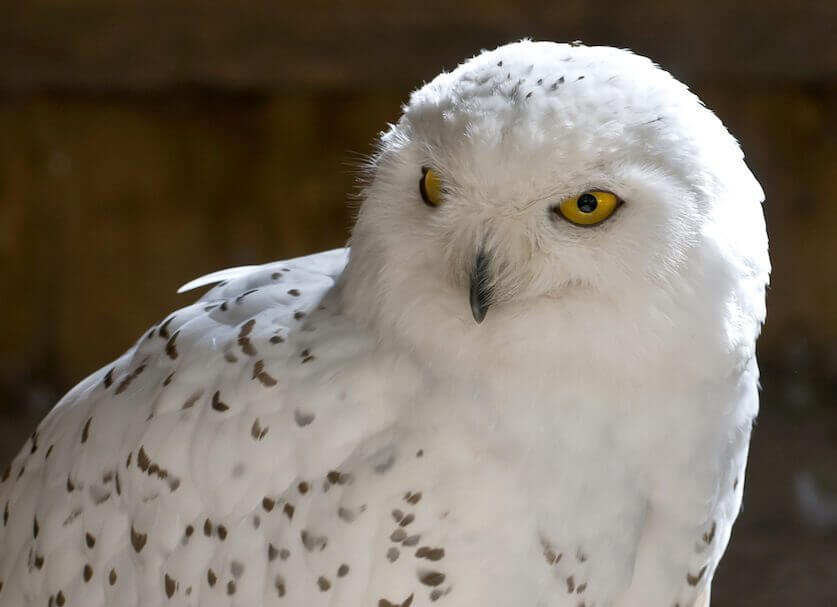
(587, 203)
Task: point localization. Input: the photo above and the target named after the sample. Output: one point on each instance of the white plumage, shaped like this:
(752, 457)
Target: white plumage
(317, 432)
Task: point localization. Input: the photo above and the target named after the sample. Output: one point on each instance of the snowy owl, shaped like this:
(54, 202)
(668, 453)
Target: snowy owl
(530, 380)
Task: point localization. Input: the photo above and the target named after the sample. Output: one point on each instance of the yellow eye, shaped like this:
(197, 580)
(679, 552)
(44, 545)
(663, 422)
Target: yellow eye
(589, 208)
(430, 187)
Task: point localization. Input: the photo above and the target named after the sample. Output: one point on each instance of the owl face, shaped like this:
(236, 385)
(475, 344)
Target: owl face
(539, 175)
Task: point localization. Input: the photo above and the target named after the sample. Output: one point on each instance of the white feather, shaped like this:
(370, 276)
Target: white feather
(215, 277)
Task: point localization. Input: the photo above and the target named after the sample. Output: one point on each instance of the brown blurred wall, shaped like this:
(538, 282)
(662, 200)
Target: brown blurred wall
(144, 144)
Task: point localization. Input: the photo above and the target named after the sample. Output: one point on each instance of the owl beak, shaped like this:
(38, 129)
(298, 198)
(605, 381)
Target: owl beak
(480, 296)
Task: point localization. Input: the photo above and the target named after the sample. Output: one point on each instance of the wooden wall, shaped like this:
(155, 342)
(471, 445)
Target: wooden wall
(144, 143)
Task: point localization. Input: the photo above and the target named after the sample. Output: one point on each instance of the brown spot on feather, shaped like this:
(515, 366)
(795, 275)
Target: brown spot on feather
(190, 402)
(263, 376)
(170, 585)
(256, 430)
(85, 433)
(138, 540)
(303, 419)
(406, 603)
(431, 554)
(694, 579)
(123, 385)
(409, 518)
(237, 569)
(171, 346)
(244, 339)
(143, 461)
(217, 404)
(163, 331)
(311, 542)
(431, 578)
(710, 535)
(336, 478)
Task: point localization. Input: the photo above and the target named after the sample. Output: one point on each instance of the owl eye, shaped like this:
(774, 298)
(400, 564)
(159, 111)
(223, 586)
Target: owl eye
(590, 208)
(430, 187)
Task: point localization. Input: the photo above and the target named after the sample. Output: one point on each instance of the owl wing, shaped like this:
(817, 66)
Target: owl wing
(160, 478)
(696, 498)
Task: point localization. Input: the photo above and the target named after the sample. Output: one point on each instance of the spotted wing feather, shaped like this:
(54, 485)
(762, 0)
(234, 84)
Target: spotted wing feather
(191, 468)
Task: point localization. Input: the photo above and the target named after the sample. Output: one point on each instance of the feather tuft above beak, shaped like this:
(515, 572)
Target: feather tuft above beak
(480, 295)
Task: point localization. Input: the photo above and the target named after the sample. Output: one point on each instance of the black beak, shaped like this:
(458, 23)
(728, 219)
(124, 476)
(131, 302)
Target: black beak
(480, 289)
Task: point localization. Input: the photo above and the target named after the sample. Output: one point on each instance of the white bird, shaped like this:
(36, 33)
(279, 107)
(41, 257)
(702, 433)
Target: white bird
(530, 380)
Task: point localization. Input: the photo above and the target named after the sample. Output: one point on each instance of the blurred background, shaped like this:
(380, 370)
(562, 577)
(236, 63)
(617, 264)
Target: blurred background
(145, 143)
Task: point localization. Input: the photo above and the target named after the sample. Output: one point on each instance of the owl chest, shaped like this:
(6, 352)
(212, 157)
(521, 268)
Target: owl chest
(484, 508)
(455, 516)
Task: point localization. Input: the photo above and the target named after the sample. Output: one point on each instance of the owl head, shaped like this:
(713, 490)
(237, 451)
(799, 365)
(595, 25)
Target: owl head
(549, 201)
